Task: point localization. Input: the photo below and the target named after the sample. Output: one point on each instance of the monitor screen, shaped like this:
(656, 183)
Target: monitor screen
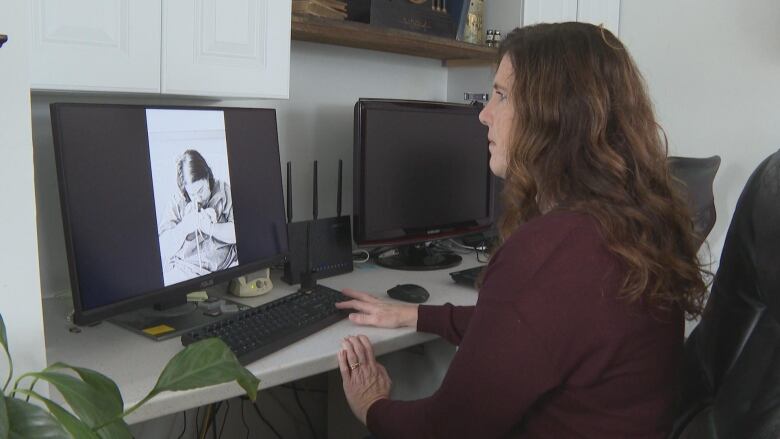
(160, 201)
(421, 171)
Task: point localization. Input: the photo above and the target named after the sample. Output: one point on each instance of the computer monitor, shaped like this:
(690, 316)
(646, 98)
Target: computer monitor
(421, 173)
(158, 201)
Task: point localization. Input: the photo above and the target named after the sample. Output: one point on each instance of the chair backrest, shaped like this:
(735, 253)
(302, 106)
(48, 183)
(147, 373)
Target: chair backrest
(731, 377)
(695, 177)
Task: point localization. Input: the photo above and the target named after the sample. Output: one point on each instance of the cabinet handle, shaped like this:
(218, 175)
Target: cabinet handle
(3, 39)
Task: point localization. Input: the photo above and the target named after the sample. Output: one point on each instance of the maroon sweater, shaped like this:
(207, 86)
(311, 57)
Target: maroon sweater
(549, 351)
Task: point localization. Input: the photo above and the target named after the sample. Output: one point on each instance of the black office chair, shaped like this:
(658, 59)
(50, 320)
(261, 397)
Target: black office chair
(731, 376)
(696, 176)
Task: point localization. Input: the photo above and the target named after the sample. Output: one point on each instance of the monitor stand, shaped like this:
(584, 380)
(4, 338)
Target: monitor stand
(174, 319)
(418, 257)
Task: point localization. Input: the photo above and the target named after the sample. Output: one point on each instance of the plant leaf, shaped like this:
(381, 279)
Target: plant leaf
(30, 421)
(117, 429)
(114, 404)
(4, 341)
(3, 335)
(87, 402)
(205, 363)
(100, 382)
(3, 417)
(72, 424)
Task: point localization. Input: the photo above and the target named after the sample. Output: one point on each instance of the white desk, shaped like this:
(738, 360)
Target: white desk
(134, 362)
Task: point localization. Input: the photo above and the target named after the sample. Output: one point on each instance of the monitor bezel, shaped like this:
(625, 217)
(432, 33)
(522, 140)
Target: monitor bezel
(401, 236)
(82, 316)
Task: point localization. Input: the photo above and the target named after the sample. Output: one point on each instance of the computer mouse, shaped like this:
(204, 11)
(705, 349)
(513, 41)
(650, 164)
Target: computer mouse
(409, 293)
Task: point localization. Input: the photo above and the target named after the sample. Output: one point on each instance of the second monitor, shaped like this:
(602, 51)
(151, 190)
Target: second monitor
(421, 173)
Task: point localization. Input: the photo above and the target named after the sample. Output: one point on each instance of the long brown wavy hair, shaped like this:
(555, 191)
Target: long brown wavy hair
(585, 139)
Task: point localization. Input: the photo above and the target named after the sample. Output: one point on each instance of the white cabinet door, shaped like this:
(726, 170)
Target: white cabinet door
(95, 45)
(20, 289)
(549, 11)
(226, 48)
(600, 12)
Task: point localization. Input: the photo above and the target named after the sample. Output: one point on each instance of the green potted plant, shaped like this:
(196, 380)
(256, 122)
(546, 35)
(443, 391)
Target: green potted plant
(97, 410)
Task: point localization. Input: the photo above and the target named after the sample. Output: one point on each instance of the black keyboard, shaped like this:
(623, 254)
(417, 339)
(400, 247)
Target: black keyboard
(256, 332)
(468, 276)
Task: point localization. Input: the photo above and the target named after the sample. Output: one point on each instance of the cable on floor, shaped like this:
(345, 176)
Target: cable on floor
(224, 418)
(183, 430)
(305, 414)
(265, 421)
(243, 419)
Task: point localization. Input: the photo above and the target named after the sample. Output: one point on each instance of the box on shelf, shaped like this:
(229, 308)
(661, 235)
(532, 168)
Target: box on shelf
(336, 9)
(425, 16)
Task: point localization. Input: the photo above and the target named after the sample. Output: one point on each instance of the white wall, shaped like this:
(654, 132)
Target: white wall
(713, 70)
(315, 123)
(20, 300)
(502, 15)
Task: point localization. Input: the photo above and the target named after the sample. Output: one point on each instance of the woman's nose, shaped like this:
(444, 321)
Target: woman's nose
(484, 115)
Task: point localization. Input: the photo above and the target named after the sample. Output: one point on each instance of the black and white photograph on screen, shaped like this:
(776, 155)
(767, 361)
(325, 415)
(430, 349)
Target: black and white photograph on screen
(191, 179)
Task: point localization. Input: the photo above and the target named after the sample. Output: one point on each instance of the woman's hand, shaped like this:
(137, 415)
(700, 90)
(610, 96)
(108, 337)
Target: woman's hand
(207, 217)
(365, 381)
(374, 312)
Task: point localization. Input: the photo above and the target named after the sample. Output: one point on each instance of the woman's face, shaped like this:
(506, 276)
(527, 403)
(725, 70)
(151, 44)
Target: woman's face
(499, 115)
(198, 190)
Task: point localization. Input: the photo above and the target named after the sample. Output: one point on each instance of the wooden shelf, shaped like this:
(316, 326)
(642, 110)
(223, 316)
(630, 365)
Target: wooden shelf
(365, 36)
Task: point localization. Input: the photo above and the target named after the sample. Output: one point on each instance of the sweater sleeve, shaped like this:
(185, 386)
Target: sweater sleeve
(447, 321)
(495, 376)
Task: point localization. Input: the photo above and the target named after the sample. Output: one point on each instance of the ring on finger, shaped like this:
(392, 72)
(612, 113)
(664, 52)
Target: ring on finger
(357, 347)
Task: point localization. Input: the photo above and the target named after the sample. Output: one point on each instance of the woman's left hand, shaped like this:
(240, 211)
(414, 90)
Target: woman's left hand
(365, 381)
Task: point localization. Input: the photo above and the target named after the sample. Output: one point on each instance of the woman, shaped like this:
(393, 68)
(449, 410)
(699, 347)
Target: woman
(579, 324)
(197, 235)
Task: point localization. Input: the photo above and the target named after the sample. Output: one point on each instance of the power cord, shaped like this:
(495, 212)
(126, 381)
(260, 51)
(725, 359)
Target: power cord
(479, 247)
(361, 261)
(451, 246)
(183, 430)
(224, 418)
(379, 251)
(305, 414)
(243, 419)
(214, 421)
(484, 260)
(265, 421)
(481, 250)
(197, 423)
(210, 420)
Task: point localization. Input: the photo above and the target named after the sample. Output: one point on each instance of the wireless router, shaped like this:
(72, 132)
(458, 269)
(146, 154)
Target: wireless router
(319, 248)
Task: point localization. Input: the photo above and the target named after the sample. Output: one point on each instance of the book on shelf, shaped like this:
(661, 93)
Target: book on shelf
(336, 9)
(459, 11)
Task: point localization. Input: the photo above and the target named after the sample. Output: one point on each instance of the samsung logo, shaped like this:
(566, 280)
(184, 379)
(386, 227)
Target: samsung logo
(433, 232)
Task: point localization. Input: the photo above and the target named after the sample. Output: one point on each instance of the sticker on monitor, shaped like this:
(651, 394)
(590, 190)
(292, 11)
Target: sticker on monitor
(191, 179)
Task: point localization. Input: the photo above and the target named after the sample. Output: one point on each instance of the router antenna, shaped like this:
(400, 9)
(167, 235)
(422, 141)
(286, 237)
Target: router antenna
(308, 282)
(289, 192)
(315, 191)
(338, 199)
